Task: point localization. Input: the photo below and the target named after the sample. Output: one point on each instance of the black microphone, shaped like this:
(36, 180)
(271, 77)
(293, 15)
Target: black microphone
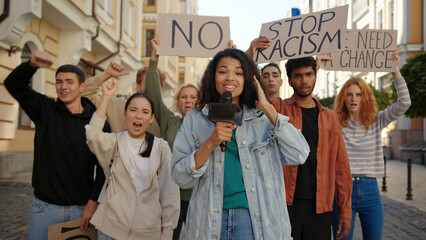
(226, 99)
(225, 112)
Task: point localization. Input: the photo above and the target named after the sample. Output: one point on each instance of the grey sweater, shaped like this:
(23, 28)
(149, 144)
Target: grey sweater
(364, 148)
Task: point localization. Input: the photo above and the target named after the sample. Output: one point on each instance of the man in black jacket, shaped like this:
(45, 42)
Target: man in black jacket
(63, 169)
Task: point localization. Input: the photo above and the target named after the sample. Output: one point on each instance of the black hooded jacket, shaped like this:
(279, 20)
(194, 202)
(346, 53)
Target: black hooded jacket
(63, 169)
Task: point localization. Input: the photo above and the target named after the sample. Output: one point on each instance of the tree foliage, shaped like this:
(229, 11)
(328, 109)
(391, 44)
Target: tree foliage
(384, 98)
(414, 72)
(327, 102)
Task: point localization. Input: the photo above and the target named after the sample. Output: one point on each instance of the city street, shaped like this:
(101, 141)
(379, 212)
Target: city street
(403, 219)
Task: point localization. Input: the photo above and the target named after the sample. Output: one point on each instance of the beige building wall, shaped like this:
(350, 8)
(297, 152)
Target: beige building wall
(89, 33)
(12, 138)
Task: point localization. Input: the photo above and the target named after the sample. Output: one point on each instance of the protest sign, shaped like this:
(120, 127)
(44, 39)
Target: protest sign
(366, 50)
(192, 35)
(70, 230)
(304, 35)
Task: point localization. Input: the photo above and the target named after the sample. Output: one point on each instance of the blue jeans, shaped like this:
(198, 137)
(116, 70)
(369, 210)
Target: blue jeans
(103, 236)
(45, 214)
(236, 225)
(366, 201)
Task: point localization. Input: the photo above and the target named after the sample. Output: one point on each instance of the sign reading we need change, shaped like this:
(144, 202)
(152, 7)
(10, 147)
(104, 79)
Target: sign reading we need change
(366, 50)
(192, 35)
(304, 35)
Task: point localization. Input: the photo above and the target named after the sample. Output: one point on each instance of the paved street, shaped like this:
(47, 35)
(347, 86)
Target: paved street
(15, 202)
(402, 222)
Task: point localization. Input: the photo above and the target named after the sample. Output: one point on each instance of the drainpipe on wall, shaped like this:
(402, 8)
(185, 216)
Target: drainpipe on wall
(97, 20)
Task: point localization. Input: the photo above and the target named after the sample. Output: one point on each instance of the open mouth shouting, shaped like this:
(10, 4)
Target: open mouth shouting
(137, 126)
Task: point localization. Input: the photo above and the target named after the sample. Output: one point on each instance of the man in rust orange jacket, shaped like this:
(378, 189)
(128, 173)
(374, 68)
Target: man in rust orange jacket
(311, 187)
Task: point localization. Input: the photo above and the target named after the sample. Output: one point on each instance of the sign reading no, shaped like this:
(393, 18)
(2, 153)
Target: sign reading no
(192, 35)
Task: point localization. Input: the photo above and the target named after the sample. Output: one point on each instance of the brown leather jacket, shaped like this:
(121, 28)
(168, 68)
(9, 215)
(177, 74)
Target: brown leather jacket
(333, 172)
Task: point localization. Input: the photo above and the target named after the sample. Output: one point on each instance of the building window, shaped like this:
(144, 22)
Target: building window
(379, 20)
(24, 122)
(150, 2)
(129, 17)
(391, 15)
(150, 33)
(181, 77)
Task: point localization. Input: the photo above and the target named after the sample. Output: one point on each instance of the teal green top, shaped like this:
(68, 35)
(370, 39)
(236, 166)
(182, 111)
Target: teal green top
(234, 192)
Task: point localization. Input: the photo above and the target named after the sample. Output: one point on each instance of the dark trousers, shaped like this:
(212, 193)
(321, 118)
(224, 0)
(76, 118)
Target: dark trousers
(182, 218)
(306, 224)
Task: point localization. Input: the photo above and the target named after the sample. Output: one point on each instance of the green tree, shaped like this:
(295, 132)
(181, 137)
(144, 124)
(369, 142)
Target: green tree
(384, 97)
(414, 72)
(327, 102)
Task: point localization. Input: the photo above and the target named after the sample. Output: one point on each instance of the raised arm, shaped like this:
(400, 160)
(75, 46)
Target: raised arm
(152, 88)
(92, 84)
(261, 42)
(100, 143)
(18, 85)
(263, 104)
(403, 102)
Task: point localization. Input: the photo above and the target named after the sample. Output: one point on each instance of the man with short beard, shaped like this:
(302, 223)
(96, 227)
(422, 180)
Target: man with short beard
(311, 187)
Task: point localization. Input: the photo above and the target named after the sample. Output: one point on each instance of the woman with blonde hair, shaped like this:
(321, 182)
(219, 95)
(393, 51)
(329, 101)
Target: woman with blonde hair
(362, 125)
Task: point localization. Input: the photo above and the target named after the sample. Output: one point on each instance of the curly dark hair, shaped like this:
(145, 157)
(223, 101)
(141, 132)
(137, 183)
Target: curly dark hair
(296, 63)
(208, 92)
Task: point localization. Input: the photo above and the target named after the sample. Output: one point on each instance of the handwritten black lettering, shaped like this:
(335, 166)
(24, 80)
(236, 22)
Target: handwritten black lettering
(291, 20)
(220, 35)
(285, 47)
(337, 35)
(314, 48)
(277, 47)
(313, 26)
(188, 39)
(321, 21)
(274, 30)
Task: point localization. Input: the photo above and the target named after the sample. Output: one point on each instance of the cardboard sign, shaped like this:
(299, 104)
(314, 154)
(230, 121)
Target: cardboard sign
(366, 50)
(70, 230)
(304, 35)
(192, 35)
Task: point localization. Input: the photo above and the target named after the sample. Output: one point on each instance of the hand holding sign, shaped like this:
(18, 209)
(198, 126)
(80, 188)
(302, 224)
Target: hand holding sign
(261, 43)
(88, 212)
(321, 60)
(155, 42)
(395, 57)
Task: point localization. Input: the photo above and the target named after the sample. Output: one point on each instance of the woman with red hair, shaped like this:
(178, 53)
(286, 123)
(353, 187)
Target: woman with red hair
(362, 125)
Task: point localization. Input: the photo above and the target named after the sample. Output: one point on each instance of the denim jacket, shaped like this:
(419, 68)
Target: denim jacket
(262, 149)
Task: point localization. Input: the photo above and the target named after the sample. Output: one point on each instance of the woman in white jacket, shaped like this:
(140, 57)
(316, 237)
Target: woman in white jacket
(141, 200)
